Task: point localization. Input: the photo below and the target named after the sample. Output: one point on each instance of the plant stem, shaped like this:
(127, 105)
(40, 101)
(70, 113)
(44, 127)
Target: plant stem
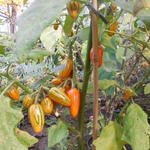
(83, 92)
(140, 83)
(25, 88)
(129, 33)
(5, 90)
(95, 69)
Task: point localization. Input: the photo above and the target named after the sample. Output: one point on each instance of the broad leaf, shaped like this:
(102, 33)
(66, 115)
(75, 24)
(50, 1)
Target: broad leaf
(136, 128)
(33, 21)
(25, 138)
(102, 85)
(147, 89)
(120, 54)
(147, 54)
(57, 133)
(107, 41)
(49, 36)
(105, 84)
(9, 119)
(140, 4)
(110, 138)
(83, 34)
(125, 5)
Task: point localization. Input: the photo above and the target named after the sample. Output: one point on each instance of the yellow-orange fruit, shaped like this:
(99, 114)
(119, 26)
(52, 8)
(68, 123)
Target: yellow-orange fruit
(68, 66)
(36, 116)
(112, 28)
(127, 94)
(56, 81)
(47, 106)
(27, 101)
(13, 93)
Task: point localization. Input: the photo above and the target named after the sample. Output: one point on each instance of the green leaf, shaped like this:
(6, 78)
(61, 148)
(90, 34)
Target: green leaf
(2, 49)
(136, 128)
(9, 119)
(140, 4)
(120, 54)
(147, 89)
(57, 133)
(36, 54)
(105, 84)
(49, 36)
(110, 138)
(83, 34)
(102, 84)
(125, 5)
(107, 41)
(147, 54)
(68, 24)
(109, 62)
(36, 18)
(25, 138)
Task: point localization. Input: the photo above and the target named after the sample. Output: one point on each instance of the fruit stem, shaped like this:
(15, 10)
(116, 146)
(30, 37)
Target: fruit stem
(5, 90)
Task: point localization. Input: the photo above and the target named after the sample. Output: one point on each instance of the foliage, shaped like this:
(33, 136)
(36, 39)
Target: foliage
(10, 118)
(136, 128)
(33, 60)
(112, 141)
(56, 133)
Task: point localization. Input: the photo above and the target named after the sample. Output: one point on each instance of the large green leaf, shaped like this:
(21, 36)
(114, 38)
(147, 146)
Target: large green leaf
(102, 84)
(136, 128)
(147, 89)
(57, 133)
(107, 41)
(9, 119)
(49, 36)
(83, 34)
(38, 16)
(110, 138)
(125, 5)
(120, 54)
(25, 138)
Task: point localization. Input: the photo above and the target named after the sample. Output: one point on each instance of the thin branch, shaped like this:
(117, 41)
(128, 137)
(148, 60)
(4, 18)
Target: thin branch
(25, 88)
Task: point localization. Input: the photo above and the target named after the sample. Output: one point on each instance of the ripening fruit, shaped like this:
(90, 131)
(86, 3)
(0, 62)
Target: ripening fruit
(145, 64)
(47, 106)
(112, 28)
(68, 66)
(58, 96)
(100, 55)
(56, 81)
(36, 116)
(55, 25)
(74, 96)
(67, 88)
(113, 7)
(62, 89)
(127, 93)
(70, 34)
(13, 93)
(73, 8)
(27, 101)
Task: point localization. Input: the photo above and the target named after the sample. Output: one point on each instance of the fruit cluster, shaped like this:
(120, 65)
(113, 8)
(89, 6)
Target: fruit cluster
(66, 96)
